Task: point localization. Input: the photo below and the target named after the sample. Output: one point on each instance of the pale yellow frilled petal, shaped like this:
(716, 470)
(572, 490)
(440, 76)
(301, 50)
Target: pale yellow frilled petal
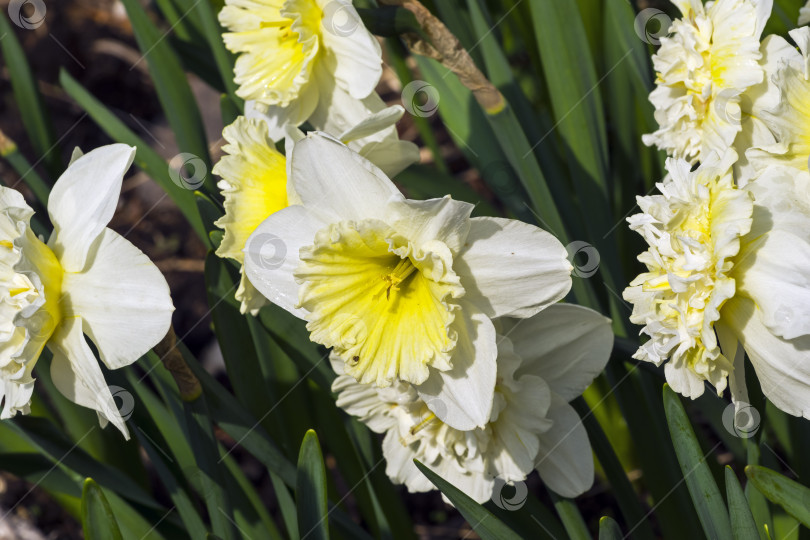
(254, 183)
(693, 229)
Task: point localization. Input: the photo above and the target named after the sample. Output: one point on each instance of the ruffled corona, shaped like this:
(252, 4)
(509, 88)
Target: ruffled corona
(693, 229)
(254, 183)
(472, 459)
(709, 60)
(278, 42)
(360, 281)
(30, 288)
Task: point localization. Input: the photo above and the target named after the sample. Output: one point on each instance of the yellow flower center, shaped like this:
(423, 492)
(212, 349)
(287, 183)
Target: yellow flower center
(385, 308)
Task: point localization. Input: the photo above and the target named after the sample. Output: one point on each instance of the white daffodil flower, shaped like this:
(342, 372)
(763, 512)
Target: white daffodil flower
(401, 289)
(254, 179)
(709, 59)
(86, 280)
(728, 270)
(780, 104)
(547, 360)
(294, 55)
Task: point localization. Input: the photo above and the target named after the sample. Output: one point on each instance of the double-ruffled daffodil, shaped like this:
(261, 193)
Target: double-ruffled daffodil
(709, 59)
(401, 289)
(727, 272)
(254, 179)
(86, 280)
(547, 360)
(295, 56)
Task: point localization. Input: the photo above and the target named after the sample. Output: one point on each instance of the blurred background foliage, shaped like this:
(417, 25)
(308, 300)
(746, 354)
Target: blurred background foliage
(264, 452)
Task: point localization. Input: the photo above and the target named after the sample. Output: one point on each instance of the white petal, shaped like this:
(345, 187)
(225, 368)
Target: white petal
(83, 202)
(776, 275)
(367, 126)
(337, 182)
(462, 397)
(565, 462)
(444, 219)
(123, 299)
(399, 464)
(781, 365)
(566, 345)
(512, 269)
(77, 375)
(271, 254)
(353, 54)
(278, 118)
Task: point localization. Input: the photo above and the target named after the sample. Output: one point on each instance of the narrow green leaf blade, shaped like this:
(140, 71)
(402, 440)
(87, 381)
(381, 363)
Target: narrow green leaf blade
(790, 495)
(743, 526)
(571, 517)
(310, 492)
(705, 494)
(609, 529)
(171, 85)
(98, 520)
(480, 519)
(29, 101)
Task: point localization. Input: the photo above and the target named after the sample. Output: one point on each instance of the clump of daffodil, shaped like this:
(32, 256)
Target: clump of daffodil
(547, 360)
(86, 280)
(727, 272)
(295, 54)
(401, 289)
(254, 179)
(709, 59)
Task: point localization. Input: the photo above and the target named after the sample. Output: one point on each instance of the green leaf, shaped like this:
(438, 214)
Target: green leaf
(310, 491)
(705, 494)
(98, 520)
(622, 488)
(743, 526)
(609, 529)
(571, 517)
(29, 101)
(172, 87)
(790, 495)
(480, 519)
